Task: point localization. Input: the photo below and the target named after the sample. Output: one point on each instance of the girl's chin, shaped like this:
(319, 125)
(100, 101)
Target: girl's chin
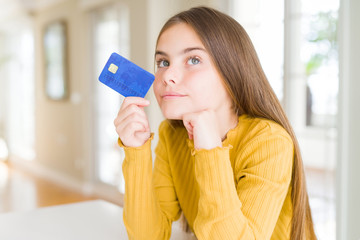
(173, 115)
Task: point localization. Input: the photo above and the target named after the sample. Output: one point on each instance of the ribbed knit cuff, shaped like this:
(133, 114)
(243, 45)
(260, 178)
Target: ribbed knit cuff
(137, 152)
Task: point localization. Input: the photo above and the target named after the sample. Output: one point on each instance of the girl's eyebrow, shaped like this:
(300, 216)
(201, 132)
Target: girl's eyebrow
(186, 50)
(160, 53)
(193, 49)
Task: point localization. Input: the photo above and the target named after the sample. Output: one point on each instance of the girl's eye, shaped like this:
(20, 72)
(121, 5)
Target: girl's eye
(162, 63)
(193, 61)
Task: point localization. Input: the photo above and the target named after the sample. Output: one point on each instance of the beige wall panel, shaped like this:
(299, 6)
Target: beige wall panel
(58, 123)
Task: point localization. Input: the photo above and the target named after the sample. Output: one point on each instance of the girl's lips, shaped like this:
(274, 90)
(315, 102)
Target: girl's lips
(172, 95)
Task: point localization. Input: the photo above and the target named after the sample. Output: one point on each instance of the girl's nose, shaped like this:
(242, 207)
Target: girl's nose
(170, 77)
(169, 81)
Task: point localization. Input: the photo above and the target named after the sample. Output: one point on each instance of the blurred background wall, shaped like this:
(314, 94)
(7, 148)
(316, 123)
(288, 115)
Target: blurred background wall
(56, 119)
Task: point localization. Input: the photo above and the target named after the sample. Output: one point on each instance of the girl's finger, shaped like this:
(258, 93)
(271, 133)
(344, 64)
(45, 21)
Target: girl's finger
(135, 118)
(130, 109)
(189, 126)
(128, 134)
(138, 101)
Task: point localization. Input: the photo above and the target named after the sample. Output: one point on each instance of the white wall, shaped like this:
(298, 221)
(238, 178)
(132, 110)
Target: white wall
(348, 175)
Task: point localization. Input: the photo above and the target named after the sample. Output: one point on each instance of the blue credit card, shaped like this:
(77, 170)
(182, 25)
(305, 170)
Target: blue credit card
(125, 77)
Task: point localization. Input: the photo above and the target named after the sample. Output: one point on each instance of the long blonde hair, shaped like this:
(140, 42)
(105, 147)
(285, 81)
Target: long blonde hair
(236, 60)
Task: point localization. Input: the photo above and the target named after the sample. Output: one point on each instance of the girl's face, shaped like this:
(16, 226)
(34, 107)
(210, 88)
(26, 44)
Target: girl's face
(186, 81)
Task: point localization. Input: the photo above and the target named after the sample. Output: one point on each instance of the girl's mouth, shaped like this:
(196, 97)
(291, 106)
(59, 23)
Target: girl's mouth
(172, 95)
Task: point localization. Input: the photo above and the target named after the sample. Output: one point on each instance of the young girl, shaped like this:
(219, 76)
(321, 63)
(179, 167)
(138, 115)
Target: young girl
(227, 157)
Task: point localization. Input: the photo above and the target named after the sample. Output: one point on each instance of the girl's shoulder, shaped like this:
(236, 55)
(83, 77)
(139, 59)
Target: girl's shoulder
(251, 127)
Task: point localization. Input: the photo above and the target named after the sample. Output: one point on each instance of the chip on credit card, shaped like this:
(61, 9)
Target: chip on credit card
(126, 77)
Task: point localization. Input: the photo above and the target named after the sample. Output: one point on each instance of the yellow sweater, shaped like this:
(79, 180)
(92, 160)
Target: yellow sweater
(238, 191)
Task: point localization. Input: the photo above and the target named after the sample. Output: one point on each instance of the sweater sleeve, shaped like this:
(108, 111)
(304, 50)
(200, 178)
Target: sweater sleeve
(244, 202)
(150, 202)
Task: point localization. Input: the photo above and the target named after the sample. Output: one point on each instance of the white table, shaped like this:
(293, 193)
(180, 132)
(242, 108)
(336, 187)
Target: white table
(79, 221)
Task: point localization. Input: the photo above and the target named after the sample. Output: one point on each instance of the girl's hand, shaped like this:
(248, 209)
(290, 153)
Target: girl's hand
(203, 128)
(131, 123)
